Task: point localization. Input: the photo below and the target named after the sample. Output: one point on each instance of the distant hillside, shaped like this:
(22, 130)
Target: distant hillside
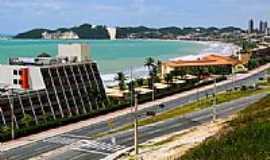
(32, 34)
(173, 32)
(85, 31)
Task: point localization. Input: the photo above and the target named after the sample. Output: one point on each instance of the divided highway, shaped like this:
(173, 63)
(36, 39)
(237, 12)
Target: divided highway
(102, 148)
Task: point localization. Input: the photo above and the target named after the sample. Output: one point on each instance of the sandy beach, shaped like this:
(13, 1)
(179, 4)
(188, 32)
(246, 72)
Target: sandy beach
(212, 47)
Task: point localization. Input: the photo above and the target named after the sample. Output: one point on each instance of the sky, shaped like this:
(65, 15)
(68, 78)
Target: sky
(20, 15)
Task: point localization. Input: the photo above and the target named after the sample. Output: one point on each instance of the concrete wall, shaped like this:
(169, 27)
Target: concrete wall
(36, 79)
(7, 77)
(81, 51)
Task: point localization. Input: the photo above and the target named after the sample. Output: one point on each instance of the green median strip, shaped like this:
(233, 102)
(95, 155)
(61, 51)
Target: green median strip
(188, 108)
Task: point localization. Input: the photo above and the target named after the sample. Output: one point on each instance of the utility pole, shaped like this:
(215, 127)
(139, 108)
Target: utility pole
(153, 90)
(131, 86)
(136, 126)
(233, 78)
(214, 116)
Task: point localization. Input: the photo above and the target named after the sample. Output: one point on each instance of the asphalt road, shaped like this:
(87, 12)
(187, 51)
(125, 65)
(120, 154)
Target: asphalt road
(53, 143)
(125, 139)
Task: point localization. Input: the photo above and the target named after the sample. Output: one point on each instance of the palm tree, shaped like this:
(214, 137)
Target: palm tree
(121, 79)
(159, 66)
(168, 78)
(149, 63)
(182, 72)
(152, 68)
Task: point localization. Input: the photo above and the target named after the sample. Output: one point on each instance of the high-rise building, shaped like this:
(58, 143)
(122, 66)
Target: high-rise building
(251, 26)
(47, 87)
(265, 27)
(261, 26)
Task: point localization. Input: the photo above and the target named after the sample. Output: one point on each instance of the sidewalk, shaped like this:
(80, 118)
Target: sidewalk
(64, 129)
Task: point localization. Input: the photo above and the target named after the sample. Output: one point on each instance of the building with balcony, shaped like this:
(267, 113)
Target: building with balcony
(45, 87)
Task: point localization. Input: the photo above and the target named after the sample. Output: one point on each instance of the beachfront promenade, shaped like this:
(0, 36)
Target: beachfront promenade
(22, 147)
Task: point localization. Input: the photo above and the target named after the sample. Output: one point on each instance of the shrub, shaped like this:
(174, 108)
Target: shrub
(27, 120)
(244, 88)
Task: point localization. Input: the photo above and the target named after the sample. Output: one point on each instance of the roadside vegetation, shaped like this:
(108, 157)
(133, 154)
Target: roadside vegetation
(191, 107)
(246, 137)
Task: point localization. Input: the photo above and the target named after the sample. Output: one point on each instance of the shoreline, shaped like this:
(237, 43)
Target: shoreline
(211, 47)
(207, 47)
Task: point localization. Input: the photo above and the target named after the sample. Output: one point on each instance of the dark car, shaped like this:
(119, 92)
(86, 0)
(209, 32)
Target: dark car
(150, 113)
(161, 106)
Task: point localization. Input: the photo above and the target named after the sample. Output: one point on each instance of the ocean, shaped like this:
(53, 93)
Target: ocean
(114, 56)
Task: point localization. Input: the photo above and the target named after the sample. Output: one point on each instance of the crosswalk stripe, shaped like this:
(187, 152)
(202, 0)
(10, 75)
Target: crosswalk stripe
(87, 151)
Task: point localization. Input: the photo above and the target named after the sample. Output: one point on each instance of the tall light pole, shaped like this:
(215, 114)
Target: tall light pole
(131, 86)
(136, 126)
(233, 78)
(153, 90)
(214, 114)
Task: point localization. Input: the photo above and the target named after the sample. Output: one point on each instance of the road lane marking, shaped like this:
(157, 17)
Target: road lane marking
(91, 145)
(90, 151)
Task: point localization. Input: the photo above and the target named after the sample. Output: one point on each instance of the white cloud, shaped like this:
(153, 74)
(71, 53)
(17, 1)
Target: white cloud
(32, 4)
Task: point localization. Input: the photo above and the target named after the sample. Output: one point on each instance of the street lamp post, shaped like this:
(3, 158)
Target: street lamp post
(214, 116)
(153, 90)
(233, 78)
(131, 86)
(136, 126)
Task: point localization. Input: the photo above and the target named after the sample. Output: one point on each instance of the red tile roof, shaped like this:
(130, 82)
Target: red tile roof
(210, 60)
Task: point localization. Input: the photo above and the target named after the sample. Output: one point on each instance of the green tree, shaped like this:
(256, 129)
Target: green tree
(140, 82)
(181, 72)
(152, 68)
(159, 66)
(121, 79)
(252, 64)
(149, 63)
(132, 85)
(27, 120)
(5, 130)
(168, 78)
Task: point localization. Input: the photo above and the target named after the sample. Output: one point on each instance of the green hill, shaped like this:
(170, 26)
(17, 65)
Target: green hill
(85, 31)
(32, 34)
(88, 31)
(246, 138)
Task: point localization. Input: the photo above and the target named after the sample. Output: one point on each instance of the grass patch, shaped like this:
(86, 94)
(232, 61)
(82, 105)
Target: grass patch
(246, 138)
(264, 84)
(188, 108)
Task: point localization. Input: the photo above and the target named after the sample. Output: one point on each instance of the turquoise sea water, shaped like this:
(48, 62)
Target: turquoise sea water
(111, 56)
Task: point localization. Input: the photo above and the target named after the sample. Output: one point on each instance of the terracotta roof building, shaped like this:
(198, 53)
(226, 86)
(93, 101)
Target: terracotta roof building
(207, 61)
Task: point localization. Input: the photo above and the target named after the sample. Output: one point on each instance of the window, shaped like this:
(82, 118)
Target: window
(15, 72)
(15, 81)
(20, 82)
(20, 72)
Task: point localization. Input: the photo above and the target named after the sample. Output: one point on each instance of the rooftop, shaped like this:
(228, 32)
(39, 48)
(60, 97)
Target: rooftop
(210, 60)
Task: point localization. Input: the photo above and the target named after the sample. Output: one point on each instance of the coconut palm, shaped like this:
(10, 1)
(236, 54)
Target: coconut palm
(181, 72)
(149, 63)
(168, 78)
(121, 79)
(152, 68)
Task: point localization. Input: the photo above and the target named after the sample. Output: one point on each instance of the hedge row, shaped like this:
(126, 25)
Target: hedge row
(115, 105)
